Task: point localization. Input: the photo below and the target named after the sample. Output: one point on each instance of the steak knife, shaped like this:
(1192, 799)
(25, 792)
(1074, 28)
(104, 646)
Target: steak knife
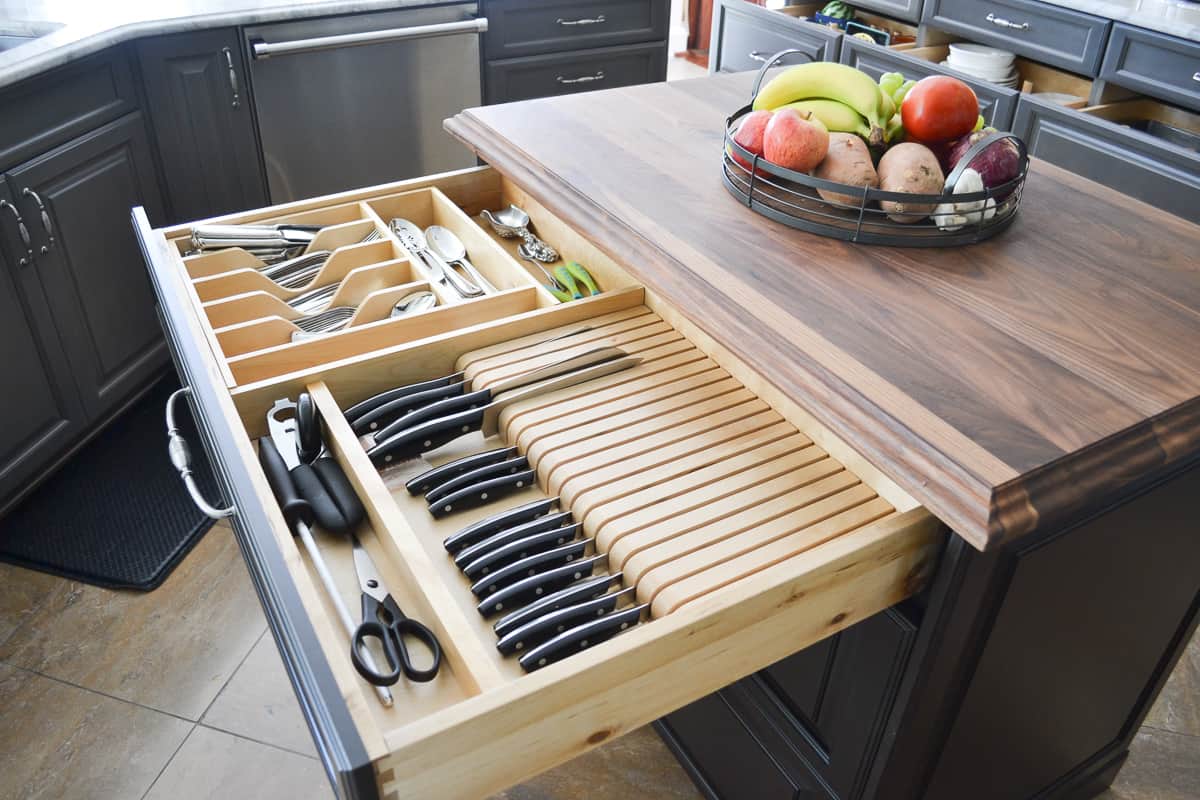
(570, 595)
(355, 412)
(536, 586)
(519, 550)
(489, 526)
(547, 626)
(539, 525)
(483, 493)
(432, 478)
(509, 466)
(529, 567)
(413, 441)
(583, 636)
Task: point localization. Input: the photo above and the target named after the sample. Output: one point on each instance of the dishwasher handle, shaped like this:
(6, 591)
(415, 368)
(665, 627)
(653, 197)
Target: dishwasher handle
(263, 50)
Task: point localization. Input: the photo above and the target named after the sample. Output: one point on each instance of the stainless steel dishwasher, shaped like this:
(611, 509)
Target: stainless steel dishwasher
(353, 101)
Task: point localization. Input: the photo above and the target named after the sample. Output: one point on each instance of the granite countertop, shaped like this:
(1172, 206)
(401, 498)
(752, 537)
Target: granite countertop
(1174, 17)
(80, 28)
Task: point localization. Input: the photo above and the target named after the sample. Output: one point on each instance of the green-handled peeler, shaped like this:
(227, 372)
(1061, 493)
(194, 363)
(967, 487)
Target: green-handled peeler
(579, 272)
(564, 278)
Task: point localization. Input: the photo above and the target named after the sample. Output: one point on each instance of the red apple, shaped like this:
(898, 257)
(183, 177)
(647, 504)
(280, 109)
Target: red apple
(795, 139)
(750, 135)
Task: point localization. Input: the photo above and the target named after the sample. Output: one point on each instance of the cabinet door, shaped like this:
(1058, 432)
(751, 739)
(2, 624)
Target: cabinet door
(92, 271)
(203, 123)
(42, 413)
(745, 35)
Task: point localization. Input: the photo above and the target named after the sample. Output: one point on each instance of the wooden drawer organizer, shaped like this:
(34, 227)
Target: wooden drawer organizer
(751, 530)
(1034, 77)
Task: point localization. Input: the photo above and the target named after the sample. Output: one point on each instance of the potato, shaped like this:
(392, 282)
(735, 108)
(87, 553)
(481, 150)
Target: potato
(911, 168)
(848, 161)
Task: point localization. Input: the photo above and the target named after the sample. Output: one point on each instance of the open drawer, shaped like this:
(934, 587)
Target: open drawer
(748, 530)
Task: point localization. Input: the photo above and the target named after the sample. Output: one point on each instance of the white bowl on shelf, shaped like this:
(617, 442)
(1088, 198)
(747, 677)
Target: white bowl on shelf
(981, 58)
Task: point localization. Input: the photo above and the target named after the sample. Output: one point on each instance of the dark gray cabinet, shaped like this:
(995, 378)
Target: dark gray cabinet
(1162, 66)
(908, 10)
(88, 260)
(565, 73)
(745, 35)
(203, 123)
(530, 27)
(42, 412)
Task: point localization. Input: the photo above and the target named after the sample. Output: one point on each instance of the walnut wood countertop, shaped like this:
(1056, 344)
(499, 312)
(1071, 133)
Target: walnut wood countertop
(1026, 381)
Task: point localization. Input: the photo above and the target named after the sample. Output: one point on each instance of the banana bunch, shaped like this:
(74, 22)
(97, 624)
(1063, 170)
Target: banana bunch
(841, 96)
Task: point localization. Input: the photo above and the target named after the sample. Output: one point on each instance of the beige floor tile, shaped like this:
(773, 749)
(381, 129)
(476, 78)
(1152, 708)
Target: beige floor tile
(1161, 766)
(1178, 706)
(62, 742)
(171, 649)
(213, 764)
(22, 592)
(258, 703)
(636, 765)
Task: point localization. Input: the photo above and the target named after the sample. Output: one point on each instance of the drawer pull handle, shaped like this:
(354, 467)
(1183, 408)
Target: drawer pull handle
(181, 459)
(599, 76)
(1004, 23)
(1196, 76)
(585, 21)
(22, 230)
(757, 56)
(46, 226)
(233, 81)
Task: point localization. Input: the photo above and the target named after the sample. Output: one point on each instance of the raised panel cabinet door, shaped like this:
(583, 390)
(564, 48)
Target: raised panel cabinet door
(203, 123)
(745, 36)
(92, 270)
(42, 413)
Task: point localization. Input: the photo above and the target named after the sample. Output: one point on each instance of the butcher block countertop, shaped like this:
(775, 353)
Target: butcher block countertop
(1011, 385)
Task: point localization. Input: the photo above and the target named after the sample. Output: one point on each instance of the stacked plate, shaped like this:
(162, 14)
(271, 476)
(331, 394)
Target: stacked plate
(986, 63)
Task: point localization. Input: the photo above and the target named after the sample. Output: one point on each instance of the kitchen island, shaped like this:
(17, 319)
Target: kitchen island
(1025, 413)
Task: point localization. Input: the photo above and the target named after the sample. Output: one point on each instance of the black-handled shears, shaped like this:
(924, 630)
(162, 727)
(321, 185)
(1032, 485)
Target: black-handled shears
(385, 622)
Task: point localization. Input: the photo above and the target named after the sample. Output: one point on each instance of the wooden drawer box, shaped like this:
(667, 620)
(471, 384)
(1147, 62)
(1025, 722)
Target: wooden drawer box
(718, 609)
(1165, 67)
(581, 71)
(530, 27)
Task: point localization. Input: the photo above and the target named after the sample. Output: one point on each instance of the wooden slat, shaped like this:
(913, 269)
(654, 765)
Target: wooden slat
(590, 329)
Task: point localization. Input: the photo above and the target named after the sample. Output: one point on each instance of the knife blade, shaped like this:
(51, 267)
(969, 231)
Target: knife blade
(422, 438)
(487, 472)
(583, 636)
(539, 525)
(549, 625)
(483, 493)
(354, 412)
(519, 549)
(567, 596)
(452, 402)
(430, 479)
(489, 526)
(529, 567)
(536, 586)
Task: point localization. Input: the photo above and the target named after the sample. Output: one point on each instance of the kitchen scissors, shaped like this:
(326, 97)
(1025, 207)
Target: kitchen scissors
(383, 620)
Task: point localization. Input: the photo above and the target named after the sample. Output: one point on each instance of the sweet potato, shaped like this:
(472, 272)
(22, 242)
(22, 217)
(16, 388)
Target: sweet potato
(912, 168)
(848, 161)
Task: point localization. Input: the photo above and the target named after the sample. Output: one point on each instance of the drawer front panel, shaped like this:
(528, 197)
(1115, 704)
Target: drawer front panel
(54, 108)
(530, 27)
(995, 103)
(1165, 67)
(1053, 35)
(546, 76)
(749, 34)
(908, 10)
(1126, 160)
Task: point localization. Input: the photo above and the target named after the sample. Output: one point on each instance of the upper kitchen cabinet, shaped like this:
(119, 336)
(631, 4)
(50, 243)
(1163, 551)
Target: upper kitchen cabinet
(75, 200)
(203, 122)
(42, 414)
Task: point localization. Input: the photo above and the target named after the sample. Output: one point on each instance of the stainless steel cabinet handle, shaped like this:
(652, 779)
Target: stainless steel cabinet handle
(46, 226)
(233, 81)
(1004, 23)
(22, 230)
(181, 459)
(757, 56)
(585, 21)
(599, 76)
(263, 50)
(1196, 77)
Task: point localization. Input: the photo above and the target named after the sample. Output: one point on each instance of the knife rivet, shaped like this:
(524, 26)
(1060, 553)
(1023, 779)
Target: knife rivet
(624, 625)
(483, 496)
(541, 662)
(518, 645)
(466, 428)
(372, 583)
(499, 606)
(599, 612)
(561, 628)
(387, 458)
(447, 508)
(520, 484)
(428, 443)
(538, 590)
(583, 644)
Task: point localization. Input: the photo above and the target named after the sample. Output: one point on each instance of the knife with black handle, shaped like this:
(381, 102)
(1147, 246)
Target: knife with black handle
(483, 493)
(489, 526)
(433, 478)
(522, 548)
(583, 636)
(505, 537)
(356, 411)
(377, 420)
(529, 567)
(567, 596)
(547, 626)
(536, 586)
(487, 472)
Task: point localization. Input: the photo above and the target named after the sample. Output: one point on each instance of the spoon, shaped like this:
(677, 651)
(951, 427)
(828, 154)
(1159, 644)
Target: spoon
(413, 303)
(513, 221)
(413, 239)
(446, 244)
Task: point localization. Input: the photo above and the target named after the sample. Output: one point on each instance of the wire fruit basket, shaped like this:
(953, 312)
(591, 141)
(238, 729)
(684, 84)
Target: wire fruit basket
(793, 198)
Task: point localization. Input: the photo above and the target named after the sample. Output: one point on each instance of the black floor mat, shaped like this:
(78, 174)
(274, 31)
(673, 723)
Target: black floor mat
(116, 514)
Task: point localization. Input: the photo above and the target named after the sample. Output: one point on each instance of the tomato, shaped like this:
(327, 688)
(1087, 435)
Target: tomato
(939, 108)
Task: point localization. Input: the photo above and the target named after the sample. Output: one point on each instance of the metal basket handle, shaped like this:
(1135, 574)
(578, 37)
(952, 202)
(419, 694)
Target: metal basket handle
(770, 62)
(976, 149)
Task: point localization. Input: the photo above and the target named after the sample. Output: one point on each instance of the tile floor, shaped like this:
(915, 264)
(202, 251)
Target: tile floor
(180, 695)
